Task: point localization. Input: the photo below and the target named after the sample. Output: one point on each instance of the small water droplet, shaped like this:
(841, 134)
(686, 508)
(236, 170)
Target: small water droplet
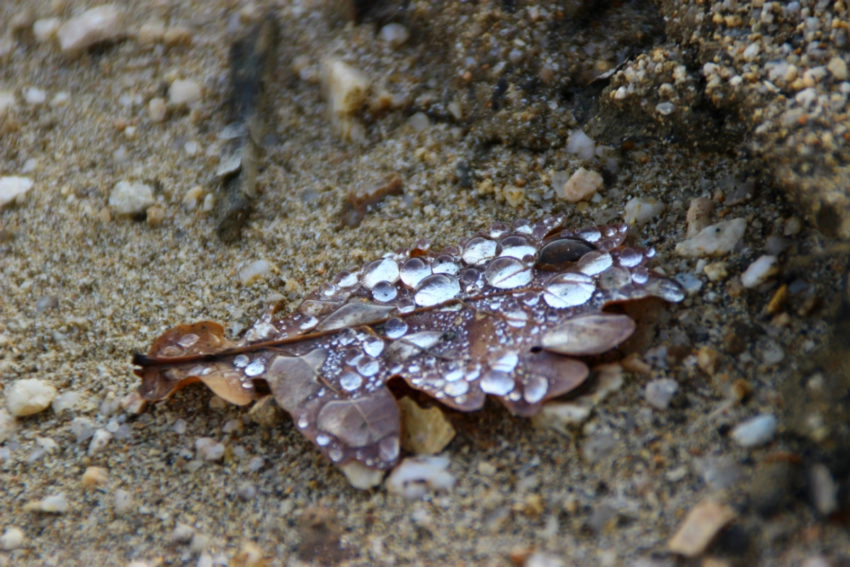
(395, 328)
(414, 271)
(667, 290)
(479, 250)
(349, 381)
(424, 339)
(368, 366)
(188, 340)
(497, 229)
(335, 454)
(568, 290)
(330, 290)
(523, 226)
(535, 388)
(373, 346)
(590, 235)
(629, 258)
(241, 361)
(507, 273)
(346, 337)
(308, 324)
(302, 422)
(322, 440)
(388, 448)
(456, 388)
(255, 368)
(437, 289)
(517, 247)
(497, 383)
(445, 265)
(384, 292)
(640, 276)
(454, 375)
(595, 262)
(383, 270)
(346, 279)
(614, 278)
(506, 363)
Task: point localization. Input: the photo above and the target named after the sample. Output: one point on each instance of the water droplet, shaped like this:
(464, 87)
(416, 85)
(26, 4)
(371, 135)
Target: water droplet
(322, 440)
(388, 448)
(308, 324)
(667, 290)
(346, 279)
(454, 375)
(649, 253)
(445, 265)
(414, 271)
(424, 339)
(517, 247)
(523, 226)
(188, 340)
(507, 273)
(497, 383)
(497, 229)
(395, 328)
(335, 454)
(241, 361)
(640, 276)
(247, 385)
(469, 277)
(614, 278)
(384, 292)
(629, 258)
(330, 290)
(373, 346)
(437, 289)
(516, 318)
(349, 381)
(560, 253)
(479, 250)
(535, 388)
(590, 235)
(610, 231)
(346, 337)
(302, 422)
(506, 363)
(368, 366)
(568, 290)
(595, 262)
(456, 388)
(405, 305)
(383, 270)
(255, 368)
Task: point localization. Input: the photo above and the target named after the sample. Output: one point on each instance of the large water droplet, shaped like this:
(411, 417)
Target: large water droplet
(668, 290)
(458, 388)
(479, 250)
(517, 247)
(614, 278)
(507, 273)
(255, 368)
(188, 340)
(373, 346)
(424, 339)
(640, 276)
(388, 448)
(568, 290)
(629, 257)
(535, 388)
(395, 328)
(436, 289)
(241, 361)
(595, 262)
(497, 383)
(445, 265)
(590, 235)
(368, 366)
(560, 253)
(383, 270)
(384, 291)
(346, 279)
(349, 381)
(414, 271)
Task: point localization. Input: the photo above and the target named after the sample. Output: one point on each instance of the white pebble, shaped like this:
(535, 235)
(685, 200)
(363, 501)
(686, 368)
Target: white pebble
(346, 87)
(99, 441)
(640, 211)
(182, 533)
(755, 431)
(29, 396)
(157, 109)
(561, 416)
(129, 198)
(660, 392)
(184, 92)
(55, 504)
(65, 401)
(122, 502)
(395, 35)
(580, 144)
(7, 102)
(360, 476)
(12, 187)
(838, 68)
(12, 538)
(255, 271)
(82, 428)
(45, 29)
(760, 271)
(581, 185)
(714, 240)
(102, 23)
(209, 449)
(417, 477)
(7, 425)
(824, 489)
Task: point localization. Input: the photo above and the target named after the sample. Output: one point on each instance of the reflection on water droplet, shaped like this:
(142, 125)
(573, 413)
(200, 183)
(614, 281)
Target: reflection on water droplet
(388, 448)
(255, 368)
(414, 271)
(614, 278)
(568, 290)
(308, 324)
(454, 375)
(629, 258)
(595, 262)
(445, 265)
(335, 454)
(373, 346)
(517, 247)
(383, 292)
(523, 226)
(640, 276)
(383, 270)
(479, 250)
(497, 383)
(368, 366)
(395, 328)
(456, 388)
(302, 422)
(322, 440)
(436, 289)
(241, 361)
(507, 273)
(346, 279)
(349, 381)
(188, 340)
(534, 389)
(668, 290)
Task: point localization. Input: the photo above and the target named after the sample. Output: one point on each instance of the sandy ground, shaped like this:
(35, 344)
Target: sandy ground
(83, 287)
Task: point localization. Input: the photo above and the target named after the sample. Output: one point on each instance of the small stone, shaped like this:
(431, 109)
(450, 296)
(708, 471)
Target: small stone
(584, 183)
(7, 426)
(838, 68)
(184, 92)
(95, 477)
(122, 502)
(99, 441)
(760, 271)
(246, 490)
(702, 523)
(12, 187)
(699, 214)
(182, 533)
(178, 35)
(151, 32)
(55, 504)
(82, 428)
(65, 401)
(561, 416)
(426, 431)
(542, 559)
(255, 271)
(7, 103)
(29, 396)
(12, 538)
(395, 35)
(660, 392)
(34, 96)
(155, 215)
(714, 240)
(249, 555)
(758, 430)
(209, 449)
(129, 198)
(133, 403)
(716, 271)
(157, 109)
(345, 86)
(360, 476)
(416, 477)
(46, 29)
(103, 23)
(640, 211)
(580, 144)
(823, 489)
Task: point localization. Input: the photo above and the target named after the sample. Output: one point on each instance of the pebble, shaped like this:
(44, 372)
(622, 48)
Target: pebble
(255, 271)
(755, 431)
(7, 103)
(129, 198)
(100, 439)
(714, 240)
(54, 504)
(122, 502)
(542, 559)
(417, 477)
(34, 96)
(716, 271)
(561, 416)
(7, 426)
(103, 23)
(345, 86)
(151, 32)
(360, 476)
(157, 109)
(395, 35)
(182, 533)
(82, 428)
(249, 555)
(12, 538)
(29, 396)
(95, 477)
(699, 214)
(760, 271)
(426, 431)
(184, 92)
(12, 186)
(660, 392)
(640, 211)
(45, 29)
(823, 489)
(580, 144)
(838, 68)
(700, 526)
(65, 401)
(246, 490)
(584, 183)
(208, 449)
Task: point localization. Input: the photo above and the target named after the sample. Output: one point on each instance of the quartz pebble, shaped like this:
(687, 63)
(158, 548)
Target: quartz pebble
(82, 428)
(700, 526)
(584, 183)
(755, 431)
(580, 144)
(103, 23)
(100, 439)
(184, 92)
(45, 29)
(54, 504)
(347, 90)
(255, 271)
(714, 240)
(7, 426)
(12, 538)
(699, 214)
(640, 211)
(824, 489)
(122, 502)
(209, 449)
(416, 477)
(129, 198)
(660, 392)
(395, 35)
(65, 401)
(12, 186)
(760, 271)
(34, 96)
(29, 396)
(95, 477)
(7, 103)
(182, 533)
(360, 476)
(157, 109)
(426, 431)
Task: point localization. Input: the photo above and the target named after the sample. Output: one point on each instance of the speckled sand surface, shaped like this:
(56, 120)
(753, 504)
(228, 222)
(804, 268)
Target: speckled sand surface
(503, 84)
